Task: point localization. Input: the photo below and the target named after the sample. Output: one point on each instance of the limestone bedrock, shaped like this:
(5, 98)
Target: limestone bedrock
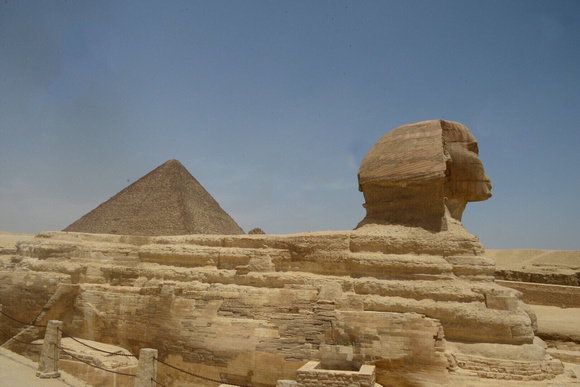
(253, 309)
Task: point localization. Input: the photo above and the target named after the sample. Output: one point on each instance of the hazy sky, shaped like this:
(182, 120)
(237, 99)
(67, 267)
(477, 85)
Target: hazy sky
(272, 105)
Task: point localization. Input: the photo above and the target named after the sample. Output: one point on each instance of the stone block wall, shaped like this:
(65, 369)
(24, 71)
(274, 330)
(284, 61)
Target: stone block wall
(509, 369)
(311, 375)
(546, 294)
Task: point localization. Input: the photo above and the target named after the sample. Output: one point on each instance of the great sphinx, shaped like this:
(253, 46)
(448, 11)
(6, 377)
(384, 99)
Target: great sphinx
(409, 290)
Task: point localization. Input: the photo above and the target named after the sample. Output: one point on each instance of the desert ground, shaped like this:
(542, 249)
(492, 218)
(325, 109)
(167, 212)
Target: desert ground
(8, 239)
(557, 261)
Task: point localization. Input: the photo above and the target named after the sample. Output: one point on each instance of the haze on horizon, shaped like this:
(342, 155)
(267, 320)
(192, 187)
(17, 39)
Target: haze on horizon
(273, 105)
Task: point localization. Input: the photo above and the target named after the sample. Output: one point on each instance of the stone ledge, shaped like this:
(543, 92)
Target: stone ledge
(545, 294)
(509, 369)
(565, 356)
(311, 375)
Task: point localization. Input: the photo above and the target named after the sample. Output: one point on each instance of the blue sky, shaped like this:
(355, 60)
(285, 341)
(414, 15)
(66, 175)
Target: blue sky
(272, 105)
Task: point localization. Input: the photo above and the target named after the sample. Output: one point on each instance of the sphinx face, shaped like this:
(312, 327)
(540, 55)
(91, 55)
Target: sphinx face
(467, 180)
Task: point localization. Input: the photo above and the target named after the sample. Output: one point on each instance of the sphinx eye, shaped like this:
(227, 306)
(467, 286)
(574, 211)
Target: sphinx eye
(473, 147)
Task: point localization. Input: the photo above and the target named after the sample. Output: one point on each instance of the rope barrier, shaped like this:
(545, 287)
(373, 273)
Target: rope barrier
(22, 322)
(97, 349)
(109, 353)
(93, 365)
(156, 382)
(198, 376)
(38, 315)
(18, 341)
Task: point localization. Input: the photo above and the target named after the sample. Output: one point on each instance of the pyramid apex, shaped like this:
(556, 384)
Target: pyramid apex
(173, 163)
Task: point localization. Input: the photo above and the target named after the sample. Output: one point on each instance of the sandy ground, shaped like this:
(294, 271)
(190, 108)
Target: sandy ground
(16, 370)
(555, 321)
(552, 320)
(8, 239)
(527, 259)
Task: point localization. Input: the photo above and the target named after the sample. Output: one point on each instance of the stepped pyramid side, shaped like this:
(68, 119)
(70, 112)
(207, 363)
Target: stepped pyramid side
(166, 201)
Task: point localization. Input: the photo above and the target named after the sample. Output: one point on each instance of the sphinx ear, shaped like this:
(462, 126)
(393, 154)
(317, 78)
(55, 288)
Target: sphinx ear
(448, 172)
(448, 162)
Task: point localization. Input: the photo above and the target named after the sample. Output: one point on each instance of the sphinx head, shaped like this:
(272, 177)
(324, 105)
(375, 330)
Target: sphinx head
(422, 174)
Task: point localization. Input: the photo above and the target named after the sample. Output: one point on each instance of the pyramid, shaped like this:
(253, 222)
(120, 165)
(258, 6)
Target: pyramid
(166, 201)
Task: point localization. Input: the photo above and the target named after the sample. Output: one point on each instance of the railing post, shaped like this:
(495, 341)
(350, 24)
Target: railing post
(48, 363)
(147, 368)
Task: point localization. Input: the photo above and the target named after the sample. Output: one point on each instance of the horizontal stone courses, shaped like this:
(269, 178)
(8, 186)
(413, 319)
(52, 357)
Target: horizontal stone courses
(418, 241)
(569, 278)
(417, 289)
(338, 263)
(565, 356)
(337, 240)
(546, 294)
(447, 312)
(285, 252)
(509, 369)
(459, 318)
(448, 291)
(380, 244)
(317, 266)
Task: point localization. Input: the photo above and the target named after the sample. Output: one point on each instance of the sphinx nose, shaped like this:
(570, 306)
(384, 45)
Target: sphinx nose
(487, 181)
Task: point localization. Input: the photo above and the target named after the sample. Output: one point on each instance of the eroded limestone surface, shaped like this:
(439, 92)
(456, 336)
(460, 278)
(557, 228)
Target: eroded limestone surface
(254, 308)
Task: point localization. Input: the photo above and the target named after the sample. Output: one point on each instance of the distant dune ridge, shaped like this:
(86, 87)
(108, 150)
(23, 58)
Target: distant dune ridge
(517, 259)
(166, 201)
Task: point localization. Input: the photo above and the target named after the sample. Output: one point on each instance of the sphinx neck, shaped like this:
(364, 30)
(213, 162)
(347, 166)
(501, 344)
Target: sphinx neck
(454, 207)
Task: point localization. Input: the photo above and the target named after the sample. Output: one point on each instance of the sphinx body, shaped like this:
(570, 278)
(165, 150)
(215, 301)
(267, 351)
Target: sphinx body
(252, 309)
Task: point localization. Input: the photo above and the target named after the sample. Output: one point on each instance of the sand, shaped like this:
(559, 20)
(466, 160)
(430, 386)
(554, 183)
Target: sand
(519, 259)
(8, 239)
(16, 370)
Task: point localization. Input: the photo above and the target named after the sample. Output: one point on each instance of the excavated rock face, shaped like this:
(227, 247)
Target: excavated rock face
(252, 309)
(417, 173)
(166, 201)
